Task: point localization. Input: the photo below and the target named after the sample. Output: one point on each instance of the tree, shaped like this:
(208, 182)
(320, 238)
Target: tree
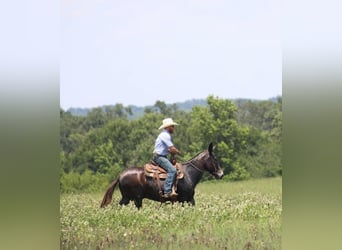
(217, 123)
(163, 108)
(264, 150)
(262, 157)
(105, 157)
(117, 111)
(248, 137)
(142, 136)
(95, 119)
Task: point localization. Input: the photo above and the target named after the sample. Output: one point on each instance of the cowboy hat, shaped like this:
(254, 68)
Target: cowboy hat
(167, 123)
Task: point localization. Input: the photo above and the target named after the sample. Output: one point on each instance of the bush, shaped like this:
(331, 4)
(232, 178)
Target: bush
(239, 173)
(87, 182)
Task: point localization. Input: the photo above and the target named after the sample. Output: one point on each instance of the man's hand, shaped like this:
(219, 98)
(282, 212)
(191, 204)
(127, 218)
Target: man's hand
(174, 150)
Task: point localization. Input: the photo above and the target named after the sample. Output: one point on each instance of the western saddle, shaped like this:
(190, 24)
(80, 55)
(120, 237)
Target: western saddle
(152, 170)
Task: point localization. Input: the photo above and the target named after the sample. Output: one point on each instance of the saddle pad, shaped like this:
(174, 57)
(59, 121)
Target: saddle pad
(150, 168)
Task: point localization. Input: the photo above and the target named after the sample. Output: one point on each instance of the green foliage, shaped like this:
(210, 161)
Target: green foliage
(216, 123)
(238, 173)
(258, 114)
(105, 157)
(95, 118)
(262, 157)
(247, 134)
(144, 132)
(263, 154)
(87, 182)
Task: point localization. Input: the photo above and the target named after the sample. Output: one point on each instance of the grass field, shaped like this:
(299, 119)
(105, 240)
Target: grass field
(227, 215)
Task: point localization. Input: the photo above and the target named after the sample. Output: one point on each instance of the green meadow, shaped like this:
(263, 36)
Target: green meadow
(227, 215)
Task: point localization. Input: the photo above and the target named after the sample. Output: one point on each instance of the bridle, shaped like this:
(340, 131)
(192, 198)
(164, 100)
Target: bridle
(194, 166)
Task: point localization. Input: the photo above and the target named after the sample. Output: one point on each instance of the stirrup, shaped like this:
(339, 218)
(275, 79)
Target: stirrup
(170, 195)
(173, 193)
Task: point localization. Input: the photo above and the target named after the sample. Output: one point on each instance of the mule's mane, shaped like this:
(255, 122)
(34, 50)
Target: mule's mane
(189, 161)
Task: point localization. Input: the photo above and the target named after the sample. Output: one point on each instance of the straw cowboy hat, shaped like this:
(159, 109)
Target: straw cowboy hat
(167, 123)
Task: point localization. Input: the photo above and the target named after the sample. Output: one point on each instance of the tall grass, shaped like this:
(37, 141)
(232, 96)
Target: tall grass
(239, 215)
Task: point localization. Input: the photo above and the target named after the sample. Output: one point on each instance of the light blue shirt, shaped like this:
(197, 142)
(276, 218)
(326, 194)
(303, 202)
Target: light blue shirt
(163, 142)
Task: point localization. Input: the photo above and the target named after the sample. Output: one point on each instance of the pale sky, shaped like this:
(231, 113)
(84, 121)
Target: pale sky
(138, 52)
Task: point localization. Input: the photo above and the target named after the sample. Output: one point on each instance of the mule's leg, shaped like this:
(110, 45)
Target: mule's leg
(192, 201)
(124, 201)
(138, 202)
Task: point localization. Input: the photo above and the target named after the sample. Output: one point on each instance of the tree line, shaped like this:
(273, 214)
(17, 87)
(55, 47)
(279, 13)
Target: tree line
(95, 148)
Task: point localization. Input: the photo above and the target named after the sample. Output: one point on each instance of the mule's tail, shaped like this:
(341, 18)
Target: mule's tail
(109, 193)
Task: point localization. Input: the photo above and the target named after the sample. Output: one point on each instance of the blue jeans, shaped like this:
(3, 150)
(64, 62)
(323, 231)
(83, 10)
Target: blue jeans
(171, 172)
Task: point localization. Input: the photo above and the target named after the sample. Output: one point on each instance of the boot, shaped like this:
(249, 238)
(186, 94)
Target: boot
(173, 192)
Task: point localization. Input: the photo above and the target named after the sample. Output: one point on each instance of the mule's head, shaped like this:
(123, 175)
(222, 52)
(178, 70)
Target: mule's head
(212, 165)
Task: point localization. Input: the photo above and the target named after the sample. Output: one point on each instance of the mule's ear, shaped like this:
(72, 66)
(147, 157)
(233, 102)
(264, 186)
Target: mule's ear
(211, 148)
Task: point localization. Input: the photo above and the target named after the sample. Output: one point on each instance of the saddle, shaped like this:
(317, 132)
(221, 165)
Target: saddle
(151, 169)
(158, 173)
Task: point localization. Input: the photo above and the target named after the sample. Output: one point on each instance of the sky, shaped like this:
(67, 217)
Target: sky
(137, 52)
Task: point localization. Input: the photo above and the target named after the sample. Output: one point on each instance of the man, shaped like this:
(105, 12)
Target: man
(163, 146)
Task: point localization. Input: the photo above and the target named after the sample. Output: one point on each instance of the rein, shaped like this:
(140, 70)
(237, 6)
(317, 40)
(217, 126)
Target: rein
(192, 165)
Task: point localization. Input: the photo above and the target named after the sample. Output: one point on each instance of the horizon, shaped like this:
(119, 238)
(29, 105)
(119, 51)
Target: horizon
(170, 103)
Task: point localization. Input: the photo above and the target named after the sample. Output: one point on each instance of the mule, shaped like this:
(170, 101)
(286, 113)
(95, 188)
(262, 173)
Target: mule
(135, 185)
